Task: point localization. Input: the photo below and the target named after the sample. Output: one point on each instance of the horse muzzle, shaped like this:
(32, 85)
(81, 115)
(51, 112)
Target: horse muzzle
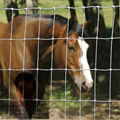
(85, 87)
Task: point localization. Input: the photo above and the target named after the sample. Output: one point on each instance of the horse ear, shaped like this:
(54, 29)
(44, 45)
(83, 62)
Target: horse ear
(85, 24)
(47, 54)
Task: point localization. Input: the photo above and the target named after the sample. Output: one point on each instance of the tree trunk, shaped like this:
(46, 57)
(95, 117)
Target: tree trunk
(116, 48)
(11, 4)
(117, 19)
(86, 3)
(92, 16)
(102, 55)
(31, 4)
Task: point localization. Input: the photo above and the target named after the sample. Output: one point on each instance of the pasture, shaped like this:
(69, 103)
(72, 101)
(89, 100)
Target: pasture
(77, 107)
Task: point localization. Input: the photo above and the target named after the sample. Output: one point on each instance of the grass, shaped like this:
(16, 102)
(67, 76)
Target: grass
(108, 12)
(2, 12)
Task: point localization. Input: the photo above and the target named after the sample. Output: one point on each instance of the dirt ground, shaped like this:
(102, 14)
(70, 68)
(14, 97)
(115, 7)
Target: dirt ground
(102, 113)
(68, 110)
(71, 111)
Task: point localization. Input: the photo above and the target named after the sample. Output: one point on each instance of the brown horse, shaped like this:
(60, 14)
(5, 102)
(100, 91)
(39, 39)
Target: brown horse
(26, 47)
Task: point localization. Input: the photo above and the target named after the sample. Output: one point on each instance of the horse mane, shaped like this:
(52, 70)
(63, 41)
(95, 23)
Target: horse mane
(58, 18)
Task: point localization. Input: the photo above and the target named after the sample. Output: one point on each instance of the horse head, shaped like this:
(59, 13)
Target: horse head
(70, 53)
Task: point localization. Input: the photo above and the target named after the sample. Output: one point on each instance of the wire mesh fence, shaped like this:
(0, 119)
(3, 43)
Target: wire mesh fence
(22, 48)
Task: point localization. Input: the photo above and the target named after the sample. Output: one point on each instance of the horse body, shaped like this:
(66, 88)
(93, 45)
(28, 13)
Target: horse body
(20, 49)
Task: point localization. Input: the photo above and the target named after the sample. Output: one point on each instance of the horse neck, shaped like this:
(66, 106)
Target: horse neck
(44, 28)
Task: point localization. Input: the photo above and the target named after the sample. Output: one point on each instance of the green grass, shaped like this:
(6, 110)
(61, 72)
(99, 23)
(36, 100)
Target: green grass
(2, 12)
(108, 12)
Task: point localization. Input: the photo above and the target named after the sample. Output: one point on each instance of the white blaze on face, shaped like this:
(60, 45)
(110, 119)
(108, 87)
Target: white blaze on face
(83, 61)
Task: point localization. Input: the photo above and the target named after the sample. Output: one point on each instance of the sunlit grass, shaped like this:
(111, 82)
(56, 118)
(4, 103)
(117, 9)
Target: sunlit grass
(2, 12)
(108, 12)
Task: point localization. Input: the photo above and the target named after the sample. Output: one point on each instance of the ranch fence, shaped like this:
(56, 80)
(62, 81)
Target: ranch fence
(61, 100)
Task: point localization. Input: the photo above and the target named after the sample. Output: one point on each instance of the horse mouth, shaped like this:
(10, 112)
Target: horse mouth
(81, 89)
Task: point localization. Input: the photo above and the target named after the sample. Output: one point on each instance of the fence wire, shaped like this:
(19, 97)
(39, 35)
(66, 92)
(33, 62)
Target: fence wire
(60, 100)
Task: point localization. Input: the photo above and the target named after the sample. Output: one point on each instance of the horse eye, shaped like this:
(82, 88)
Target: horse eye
(71, 48)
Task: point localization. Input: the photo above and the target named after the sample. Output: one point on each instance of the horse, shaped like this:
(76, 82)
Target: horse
(26, 47)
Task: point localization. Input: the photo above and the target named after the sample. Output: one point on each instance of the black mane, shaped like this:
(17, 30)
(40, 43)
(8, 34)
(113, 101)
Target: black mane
(58, 18)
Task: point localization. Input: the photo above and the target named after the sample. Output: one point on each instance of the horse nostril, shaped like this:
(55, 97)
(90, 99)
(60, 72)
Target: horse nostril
(83, 87)
(83, 83)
